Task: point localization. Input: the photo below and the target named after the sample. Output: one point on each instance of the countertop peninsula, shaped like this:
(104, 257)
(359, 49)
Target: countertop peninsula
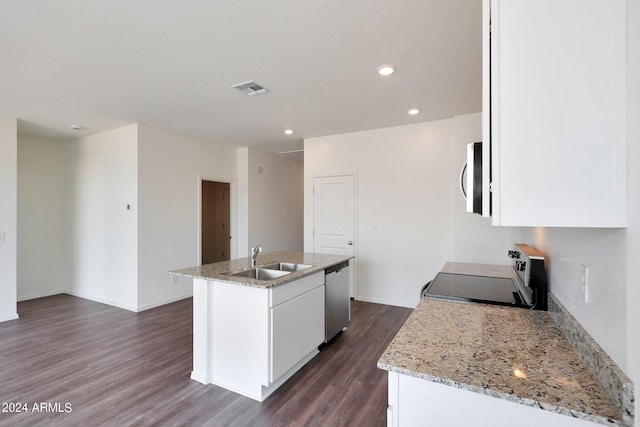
(509, 353)
(514, 354)
(219, 271)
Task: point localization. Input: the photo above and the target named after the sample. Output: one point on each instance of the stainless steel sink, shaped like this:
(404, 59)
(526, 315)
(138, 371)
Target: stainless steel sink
(260, 273)
(285, 266)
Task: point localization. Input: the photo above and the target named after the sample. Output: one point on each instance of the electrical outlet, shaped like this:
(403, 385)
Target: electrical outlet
(584, 281)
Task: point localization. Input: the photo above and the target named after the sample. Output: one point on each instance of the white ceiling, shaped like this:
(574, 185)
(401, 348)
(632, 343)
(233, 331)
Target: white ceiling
(171, 64)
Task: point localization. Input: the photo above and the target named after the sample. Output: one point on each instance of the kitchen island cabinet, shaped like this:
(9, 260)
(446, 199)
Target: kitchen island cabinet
(554, 112)
(297, 324)
(256, 340)
(250, 336)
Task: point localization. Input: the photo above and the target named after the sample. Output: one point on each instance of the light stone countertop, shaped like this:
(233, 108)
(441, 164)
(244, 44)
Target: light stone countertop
(481, 348)
(217, 271)
(514, 354)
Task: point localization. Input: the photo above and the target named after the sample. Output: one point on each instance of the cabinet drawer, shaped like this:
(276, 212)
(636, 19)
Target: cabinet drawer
(296, 288)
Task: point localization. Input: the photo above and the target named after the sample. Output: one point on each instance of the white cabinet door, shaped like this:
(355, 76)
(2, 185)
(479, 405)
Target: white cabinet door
(312, 320)
(297, 329)
(285, 324)
(557, 126)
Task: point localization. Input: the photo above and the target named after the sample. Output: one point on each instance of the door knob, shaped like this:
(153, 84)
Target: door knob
(349, 243)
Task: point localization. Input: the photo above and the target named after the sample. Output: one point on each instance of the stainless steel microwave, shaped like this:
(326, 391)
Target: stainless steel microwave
(475, 174)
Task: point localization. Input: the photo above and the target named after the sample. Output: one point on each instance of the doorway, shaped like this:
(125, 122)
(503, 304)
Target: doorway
(215, 222)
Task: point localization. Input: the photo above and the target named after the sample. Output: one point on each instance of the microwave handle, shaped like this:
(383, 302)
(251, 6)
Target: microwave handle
(461, 181)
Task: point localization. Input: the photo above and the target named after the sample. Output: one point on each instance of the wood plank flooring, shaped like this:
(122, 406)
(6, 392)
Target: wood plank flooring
(91, 364)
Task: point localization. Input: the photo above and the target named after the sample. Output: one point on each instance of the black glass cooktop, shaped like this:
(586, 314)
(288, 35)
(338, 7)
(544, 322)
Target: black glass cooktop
(462, 287)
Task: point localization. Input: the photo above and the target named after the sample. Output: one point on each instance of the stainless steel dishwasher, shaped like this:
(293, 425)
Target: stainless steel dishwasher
(337, 300)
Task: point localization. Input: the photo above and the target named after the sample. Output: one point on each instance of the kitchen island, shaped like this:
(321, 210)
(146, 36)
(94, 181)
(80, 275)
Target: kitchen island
(250, 335)
(456, 363)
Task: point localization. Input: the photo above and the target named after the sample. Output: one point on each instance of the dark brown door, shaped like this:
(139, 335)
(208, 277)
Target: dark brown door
(215, 222)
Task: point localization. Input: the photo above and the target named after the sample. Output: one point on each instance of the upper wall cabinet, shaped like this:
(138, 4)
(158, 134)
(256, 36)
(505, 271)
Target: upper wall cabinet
(554, 87)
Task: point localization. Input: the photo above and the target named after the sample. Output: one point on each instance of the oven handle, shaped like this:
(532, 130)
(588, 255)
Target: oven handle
(461, 180)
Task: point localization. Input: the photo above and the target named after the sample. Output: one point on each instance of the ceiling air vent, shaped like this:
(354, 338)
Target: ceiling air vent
(250, 88)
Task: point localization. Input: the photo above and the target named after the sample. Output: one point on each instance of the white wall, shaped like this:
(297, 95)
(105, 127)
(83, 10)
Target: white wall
(603, 252)
(475, 239)
(170, 169)
(633, 197)
(73, 216)
(404, 222)
(243, 201)
(103, 173)
(408, 191)
(43, 209)
(276, 202)
(8, 217)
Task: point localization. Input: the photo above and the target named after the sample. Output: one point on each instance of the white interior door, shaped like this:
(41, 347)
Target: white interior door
(334, 218)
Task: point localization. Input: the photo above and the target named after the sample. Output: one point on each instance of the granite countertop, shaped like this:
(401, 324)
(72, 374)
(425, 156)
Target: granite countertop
(217, 271)
(515, 354)
(510, 353)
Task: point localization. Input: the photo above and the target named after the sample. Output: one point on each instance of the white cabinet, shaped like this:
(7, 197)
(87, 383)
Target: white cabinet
(553, 102)
(415, 402)
(297, 328)
(252, 339)
(312, 319)
(284, 342)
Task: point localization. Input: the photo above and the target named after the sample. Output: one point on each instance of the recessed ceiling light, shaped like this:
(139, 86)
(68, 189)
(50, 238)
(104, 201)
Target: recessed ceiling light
(386, 70)
(413, 111)
(288, 131)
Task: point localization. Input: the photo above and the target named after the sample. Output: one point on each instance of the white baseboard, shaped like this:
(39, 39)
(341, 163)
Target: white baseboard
(386, 302)
(101, 301)
(40, 295)
(200, 377)
(7, 318)
(164, 302)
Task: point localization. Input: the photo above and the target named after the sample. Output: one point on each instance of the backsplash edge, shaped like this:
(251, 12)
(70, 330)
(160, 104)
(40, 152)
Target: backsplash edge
(616, 384)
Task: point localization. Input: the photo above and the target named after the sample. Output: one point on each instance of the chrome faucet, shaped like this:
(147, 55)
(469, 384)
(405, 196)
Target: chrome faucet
(254, 254)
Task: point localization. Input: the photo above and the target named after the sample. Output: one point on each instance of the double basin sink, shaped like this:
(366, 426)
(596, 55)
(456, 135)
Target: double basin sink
(269, 271)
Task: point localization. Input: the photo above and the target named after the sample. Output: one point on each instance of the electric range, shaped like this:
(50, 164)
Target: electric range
(526, 288)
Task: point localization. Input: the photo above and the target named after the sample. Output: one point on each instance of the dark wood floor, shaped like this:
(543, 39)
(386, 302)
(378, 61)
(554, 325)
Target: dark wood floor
(91, 364)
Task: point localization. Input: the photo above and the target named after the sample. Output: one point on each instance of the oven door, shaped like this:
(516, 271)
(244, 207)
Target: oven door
(468, 288)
